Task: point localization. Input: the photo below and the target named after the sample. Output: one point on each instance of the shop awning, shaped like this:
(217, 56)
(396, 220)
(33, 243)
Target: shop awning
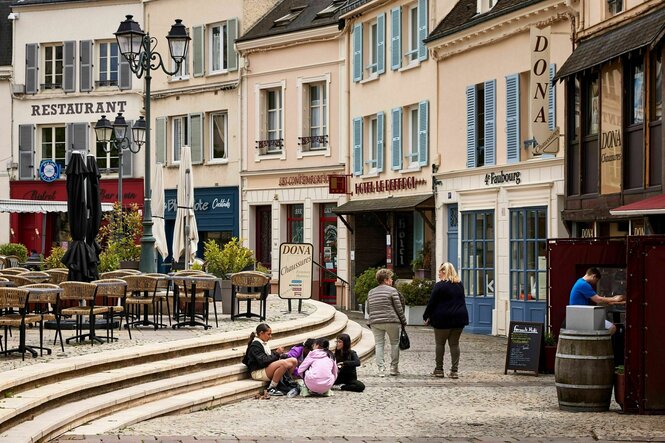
(594, 51)
(40, 206)
(387, 204)
(649, 206)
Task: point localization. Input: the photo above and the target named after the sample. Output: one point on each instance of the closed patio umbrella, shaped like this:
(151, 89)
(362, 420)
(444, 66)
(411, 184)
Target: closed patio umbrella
(185, 235)
(158, 212)
(94, 202)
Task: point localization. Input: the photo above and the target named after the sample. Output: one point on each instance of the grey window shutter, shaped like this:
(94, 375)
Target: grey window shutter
(396, 145)
(471, 126)
(196, 137)
(422, 29)
(513, 118)
(490, 122)
(551, 114)
(31, 68)
(357, 146)
(127, 156)
(160, 140)
(124, 73)
(357, 52)
(232, 34)
(85, 84)
(423, 132)
(198, 44)
(69, 67)
(381, 43)
(26, 150)
(396, 38)
(380, 145)
(76, 138)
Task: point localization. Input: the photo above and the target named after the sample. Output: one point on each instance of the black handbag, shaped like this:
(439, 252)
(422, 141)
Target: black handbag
(404, 342)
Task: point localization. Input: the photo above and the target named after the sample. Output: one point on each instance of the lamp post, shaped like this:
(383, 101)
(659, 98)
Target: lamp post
(139, 50)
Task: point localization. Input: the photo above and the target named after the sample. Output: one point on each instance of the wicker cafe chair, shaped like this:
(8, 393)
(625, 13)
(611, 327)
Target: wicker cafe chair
(57, 276)
(205, 293)
(3, 262)
(18, 280)
(83, 296)
(47, 306)
(247, 286)
(119, 273)
(143, 291)
(14, 305)
(111, 294)
(14, 271)
(12, 261)
(36, 276)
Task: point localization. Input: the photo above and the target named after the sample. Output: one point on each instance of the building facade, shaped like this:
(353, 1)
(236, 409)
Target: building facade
(6, 72)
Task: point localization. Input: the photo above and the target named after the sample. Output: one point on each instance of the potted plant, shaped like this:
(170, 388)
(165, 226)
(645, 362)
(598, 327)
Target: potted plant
(619, 385)
(422, 263)
(222, 262)
(550, 352)
(364, 283)
(15, 249)
(120, 231)
(416, 294)
(55, 259)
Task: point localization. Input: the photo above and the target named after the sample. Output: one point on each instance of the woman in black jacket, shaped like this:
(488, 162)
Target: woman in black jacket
(265, 364)
(446, 313)
(347, 362)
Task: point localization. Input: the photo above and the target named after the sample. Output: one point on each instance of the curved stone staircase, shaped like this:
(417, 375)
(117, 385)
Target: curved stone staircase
(93, 394)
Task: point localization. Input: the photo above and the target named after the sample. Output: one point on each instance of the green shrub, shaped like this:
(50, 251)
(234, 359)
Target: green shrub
(365, 282)
(260, 268)
(109, 260)
(16, 249)
(550, 339)
(121, 231)
(416, 292)
(231, 258)
(619, 369)
(55, 259)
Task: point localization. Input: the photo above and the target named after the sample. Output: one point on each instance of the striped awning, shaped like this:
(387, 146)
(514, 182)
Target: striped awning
(40, 206)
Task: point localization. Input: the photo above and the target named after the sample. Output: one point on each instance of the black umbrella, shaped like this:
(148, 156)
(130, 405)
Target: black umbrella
(79, 254)
(95, 216)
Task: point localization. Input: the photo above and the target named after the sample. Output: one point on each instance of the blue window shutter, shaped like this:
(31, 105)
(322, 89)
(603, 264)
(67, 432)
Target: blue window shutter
(422, 29)
(396, 145)
(380, 145)
(471, 126)
(358, 52)
(357, 146)
(31, 68)
(513, 118)
(396, 38)
(69, 67)
(232, 34)
(198, 45)
(423, 132)
(381, 43)
(551, 115)
(490, 122)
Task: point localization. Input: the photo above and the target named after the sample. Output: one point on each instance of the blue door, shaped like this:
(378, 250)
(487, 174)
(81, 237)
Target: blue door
(453, 235)
(477, 268)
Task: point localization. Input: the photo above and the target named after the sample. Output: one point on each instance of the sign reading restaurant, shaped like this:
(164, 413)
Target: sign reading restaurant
(79, 108)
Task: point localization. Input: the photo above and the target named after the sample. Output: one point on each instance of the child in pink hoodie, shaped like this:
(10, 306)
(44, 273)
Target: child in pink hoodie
(319, 369)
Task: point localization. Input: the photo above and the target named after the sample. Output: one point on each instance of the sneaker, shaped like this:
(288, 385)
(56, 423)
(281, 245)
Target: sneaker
(453, 375)
(382, 372)
(394, 372)
(304, 392)
(438, 373)
(336, 387)
(275, 392)
(328, 393)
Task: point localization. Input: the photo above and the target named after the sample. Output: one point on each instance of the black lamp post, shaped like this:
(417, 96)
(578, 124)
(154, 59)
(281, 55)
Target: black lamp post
(138, 48)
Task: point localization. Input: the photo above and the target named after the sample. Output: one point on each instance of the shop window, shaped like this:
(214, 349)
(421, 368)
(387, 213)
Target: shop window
(481, 124)
(53, 66)
(219, 136)
(108, 64)
(528, 259)
(477, 267)
(295, 225)
(53, 144)
(635, 96)
(180, 135)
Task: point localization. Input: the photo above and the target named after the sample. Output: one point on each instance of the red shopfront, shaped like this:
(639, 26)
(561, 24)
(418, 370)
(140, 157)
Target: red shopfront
(40, 231)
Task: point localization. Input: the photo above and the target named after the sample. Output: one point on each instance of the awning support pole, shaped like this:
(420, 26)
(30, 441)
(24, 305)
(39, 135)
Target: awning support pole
(427, 220)
(348, 226)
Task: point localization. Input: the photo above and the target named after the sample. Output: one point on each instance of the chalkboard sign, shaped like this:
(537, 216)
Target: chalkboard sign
(525, 341)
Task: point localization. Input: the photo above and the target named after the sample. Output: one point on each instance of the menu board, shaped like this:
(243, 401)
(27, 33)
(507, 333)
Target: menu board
(525, 341)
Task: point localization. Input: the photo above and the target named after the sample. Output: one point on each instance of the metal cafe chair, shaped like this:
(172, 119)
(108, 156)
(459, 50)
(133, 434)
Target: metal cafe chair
(247, 286)
(47, 305)
(111, 294)
(143, 291)
(205, 294)
(83, 296)
(14, 308)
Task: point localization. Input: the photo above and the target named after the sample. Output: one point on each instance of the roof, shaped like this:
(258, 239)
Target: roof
(306, 18)
(463, 16)
(40, 206)
(43, 2)
(5, 34)
(649, 206)
(387, 204)
(646, 30)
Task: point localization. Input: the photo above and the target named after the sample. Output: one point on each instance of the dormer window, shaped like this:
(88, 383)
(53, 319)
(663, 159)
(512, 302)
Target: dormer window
(483, 6)
(614, 6)
(331, 9)
(288, 18)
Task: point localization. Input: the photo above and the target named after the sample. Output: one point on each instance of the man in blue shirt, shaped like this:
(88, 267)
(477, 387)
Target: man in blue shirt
(583, 294)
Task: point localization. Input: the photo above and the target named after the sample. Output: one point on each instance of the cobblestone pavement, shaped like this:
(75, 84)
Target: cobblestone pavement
(483, 405)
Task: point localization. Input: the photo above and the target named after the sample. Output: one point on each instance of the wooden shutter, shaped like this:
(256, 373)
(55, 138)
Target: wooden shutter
(232, 34)
(76, 139)
(357, 146)
(124, 73)
(396, 38)
(471, 126)
(381, 43)
(423, 132)
(513, 118)
(198, 45)
(380, 145)
(490, 122)
(396, 145)
(26, 152)
(422, 29)
(31, 68)
(357, 52)
(127, 156)
(69, 67)
(551, 114)
(195, 126)
(160, 140)
(85, 84)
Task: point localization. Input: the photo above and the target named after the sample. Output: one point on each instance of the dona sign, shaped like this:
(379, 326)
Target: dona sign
(295, 270)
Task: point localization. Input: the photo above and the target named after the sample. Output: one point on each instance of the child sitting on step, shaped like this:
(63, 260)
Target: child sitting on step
(318, 370)
(299, 352)
(347, 362)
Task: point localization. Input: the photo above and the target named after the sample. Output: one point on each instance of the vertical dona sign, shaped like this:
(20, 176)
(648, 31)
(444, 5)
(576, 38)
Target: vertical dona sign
(296, 265)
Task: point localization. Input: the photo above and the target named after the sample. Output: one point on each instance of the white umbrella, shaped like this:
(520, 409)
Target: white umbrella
(185, 221)
(158, 212)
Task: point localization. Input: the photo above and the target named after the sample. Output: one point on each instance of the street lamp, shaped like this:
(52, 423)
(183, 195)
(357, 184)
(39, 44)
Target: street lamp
(138, 48)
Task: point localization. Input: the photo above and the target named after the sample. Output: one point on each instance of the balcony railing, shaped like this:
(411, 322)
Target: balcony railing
(314, 142)
(270, 146)
(46, 86)
(99, 83)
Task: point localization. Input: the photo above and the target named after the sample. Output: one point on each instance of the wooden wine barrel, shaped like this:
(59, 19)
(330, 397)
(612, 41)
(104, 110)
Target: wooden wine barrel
(584, 370)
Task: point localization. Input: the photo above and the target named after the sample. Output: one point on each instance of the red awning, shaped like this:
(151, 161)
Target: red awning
(648, 206)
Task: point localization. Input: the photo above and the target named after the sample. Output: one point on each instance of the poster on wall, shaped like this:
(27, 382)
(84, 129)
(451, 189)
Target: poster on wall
(296, 267)
(611, 136)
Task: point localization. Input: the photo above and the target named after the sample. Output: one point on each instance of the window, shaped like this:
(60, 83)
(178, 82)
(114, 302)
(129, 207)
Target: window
(614, 6)
(54, 144)
(218, 136)
(331, 9)
(270, 118)
(593, 106)
(183, 70)
(218, 44)
(294, 223)
(528, 259)
(288, 18)
(373, 65)
(274, 118)
(477, 268)
(636, 94)
(414, 39)
(108, 64)
(657, 87)
(53, 66)
(108, 161)
(373, 143)
(180, 132)
(480, 126)
(318, 108)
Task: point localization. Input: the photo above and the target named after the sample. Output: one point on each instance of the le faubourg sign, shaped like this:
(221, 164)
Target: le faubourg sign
(496, 178)
(296, 265)
(79, 108)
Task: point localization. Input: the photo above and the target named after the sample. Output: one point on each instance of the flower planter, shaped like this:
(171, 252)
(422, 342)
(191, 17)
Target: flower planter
(619, 388)
(223, 293)
(414, 315)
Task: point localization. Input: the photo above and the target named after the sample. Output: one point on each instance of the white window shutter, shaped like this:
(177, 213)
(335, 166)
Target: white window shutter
(198, 52)
(26, 149)
(69, 67)
(31, 68)
(195, 126)
(160, 140)
(85, 84)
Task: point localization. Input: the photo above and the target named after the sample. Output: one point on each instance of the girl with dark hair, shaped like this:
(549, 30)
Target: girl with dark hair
(265, 364)
(299, 352)
(347, 362)
(318, 370)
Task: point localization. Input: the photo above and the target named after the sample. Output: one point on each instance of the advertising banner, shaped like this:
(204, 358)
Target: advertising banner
(611, 137)
(296, 267)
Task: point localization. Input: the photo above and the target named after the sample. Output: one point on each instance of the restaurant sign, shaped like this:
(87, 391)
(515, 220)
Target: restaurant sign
(78, 108)
(496, 178)
(296, 267)
(390, 184)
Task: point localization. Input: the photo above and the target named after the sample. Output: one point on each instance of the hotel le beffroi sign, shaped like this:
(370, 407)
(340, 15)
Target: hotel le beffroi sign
(78, 108)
